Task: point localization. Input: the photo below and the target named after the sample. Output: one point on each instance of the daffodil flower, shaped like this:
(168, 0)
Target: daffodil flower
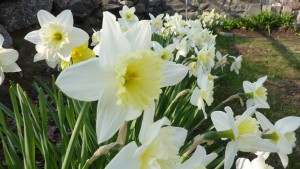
(206, 57)
(125, 78)
(79, 54)
(156, 22)
(199, 159)
(282, 134)
(56, 38)
(128, 14)
(203, 93)
(243, 132)
(257, 93)
(257, 163)
(159, 149)
(222, 60)
(237, 64)
(8, 58)
(165, 53)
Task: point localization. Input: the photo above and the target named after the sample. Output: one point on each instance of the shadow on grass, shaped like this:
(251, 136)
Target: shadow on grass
(284, 51)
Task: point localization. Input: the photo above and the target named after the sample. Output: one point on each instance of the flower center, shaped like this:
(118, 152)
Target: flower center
(139, 78)
(291, 137)
(262, 93)
(248, 126)
(57, 36)
(128, 15)
(54, 37)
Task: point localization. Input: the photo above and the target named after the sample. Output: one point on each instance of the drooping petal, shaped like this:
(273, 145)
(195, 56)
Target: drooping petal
(1, 76)
(139, 36)
(173, 73)
(265, 124)
(8, 56)
(110, 116)
(287, 124)
(125, 158)
(78, 37)
(65, 19)
(230, 153)
(11, 68)
(195, 96)
(243, 163)
(284, 159)
(33, 37)
(116, 43)
(220, 121)
(45, 17)
(252, 143)
(84, 81)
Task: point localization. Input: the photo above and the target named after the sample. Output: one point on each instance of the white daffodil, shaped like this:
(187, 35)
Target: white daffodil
(206, 57)
(203, 93)
(128, 14)
(159, 149)
(181, 46)
(156, 22)
(8, 58)
(165, 53)
(56, 38)
(199, 160)
(222, 60)
(282, 134)
(237, 64)
(243, 132)
(96, 41)
(193, 69)
(125, 78)
(257, 93)
(257, 163)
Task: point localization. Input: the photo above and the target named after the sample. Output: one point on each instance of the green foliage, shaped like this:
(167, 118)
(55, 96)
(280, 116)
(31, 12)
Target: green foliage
(265, 21)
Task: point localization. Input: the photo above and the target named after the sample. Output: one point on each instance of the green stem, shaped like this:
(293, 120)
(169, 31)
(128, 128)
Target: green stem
(75, 133)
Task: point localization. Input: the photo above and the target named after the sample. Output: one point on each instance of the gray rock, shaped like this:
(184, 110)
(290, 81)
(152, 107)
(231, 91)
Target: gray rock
(110, 5)
(266, 8)
(286, 9)
(254, 9)
(18, 14)
(79, 8)
(276, 9)
(7, 39)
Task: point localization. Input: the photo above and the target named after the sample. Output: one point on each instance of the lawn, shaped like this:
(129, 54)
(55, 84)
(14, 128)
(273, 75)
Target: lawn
(277, 56)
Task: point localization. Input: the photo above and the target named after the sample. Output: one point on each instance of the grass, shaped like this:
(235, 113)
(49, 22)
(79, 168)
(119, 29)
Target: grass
(280, 60)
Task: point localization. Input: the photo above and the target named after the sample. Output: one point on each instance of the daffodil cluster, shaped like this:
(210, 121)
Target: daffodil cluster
(133, 64)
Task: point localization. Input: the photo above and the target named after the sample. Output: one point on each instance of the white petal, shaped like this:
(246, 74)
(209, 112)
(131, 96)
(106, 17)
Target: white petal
(284, 145)
(260, 103)
(195, 96)
(96, 49)
(248, 86)
(230, 153)
(65, 19)
(78, 37)
(264, 155)
(284, 159)
(33, 37)
(116, 44)
(45, 17)
(11, 68)
(265, 124)
(173, 73)
(248, 113)
(133, 114)
(258, 163)
(8, 56)
(178, 133)
(1, 40)
(84, 81)
(252, 143)
(220, 121)
(260, 81)
(288, 124)
(110, 116)
(231, 121)
(1, 76)
(65, 53)
(38, 57)
(243, 163)
(125, 158)
(139, 36)
(52, 63)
